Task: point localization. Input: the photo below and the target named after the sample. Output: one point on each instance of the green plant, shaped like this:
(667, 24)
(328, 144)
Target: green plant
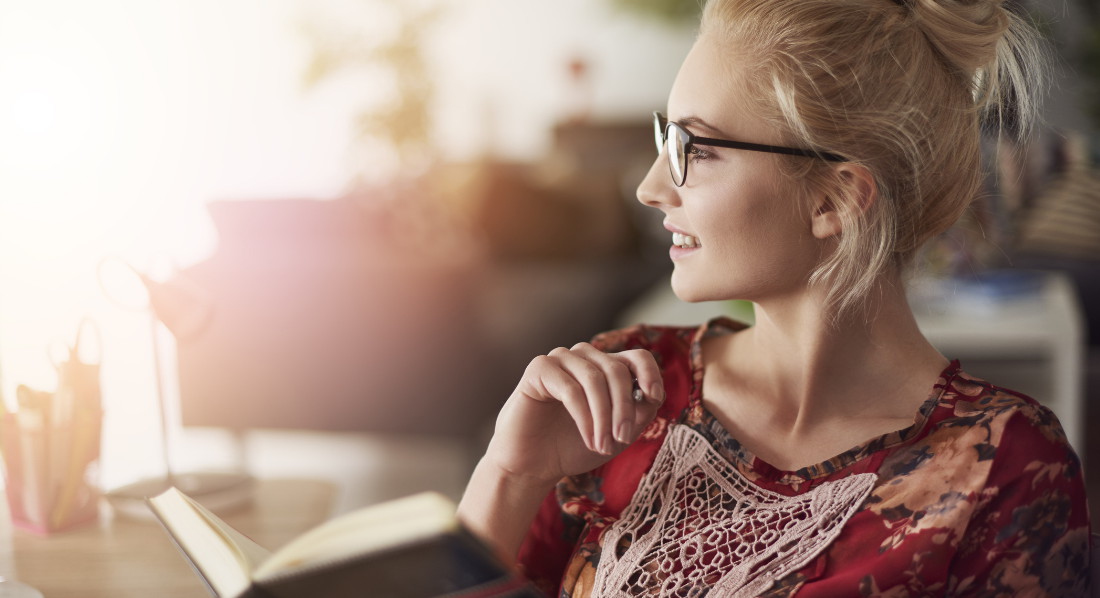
(675, 12)
(400, 122)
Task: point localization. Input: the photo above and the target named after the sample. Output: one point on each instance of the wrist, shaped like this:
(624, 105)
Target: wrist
(499, 505)
(518, 479)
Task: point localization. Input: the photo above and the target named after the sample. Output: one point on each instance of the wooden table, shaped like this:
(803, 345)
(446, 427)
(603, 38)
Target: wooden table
(119, 557)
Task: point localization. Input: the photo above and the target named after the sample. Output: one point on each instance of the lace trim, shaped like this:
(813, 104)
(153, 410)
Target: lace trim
(697, 526)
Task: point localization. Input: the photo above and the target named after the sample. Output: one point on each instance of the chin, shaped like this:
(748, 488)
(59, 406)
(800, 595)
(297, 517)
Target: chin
(698, 290)
(692, 293)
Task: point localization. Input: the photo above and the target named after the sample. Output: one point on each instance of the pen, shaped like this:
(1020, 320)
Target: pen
(33, 426)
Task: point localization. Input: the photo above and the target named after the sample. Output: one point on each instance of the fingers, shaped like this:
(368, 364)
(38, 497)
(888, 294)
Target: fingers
(651, 385)
(609, 388)
(647, 373)
(586, 388)
(558, 381)
(598, 391)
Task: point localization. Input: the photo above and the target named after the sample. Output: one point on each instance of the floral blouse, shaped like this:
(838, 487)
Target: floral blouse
(980, 496)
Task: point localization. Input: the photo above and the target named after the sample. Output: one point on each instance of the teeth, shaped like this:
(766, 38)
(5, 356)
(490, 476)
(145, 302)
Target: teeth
(682, 240)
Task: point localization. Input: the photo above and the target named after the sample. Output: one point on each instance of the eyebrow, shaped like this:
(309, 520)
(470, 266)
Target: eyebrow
(695, 121)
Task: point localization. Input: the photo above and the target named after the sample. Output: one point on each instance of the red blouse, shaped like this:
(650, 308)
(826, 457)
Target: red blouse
(981, 496)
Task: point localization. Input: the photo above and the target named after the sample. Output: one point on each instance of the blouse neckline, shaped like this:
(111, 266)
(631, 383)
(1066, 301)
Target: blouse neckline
(702, 420)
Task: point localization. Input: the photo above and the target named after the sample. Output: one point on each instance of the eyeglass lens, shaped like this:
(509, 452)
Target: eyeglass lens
(677, 153)
(673, 140)
(658, 133)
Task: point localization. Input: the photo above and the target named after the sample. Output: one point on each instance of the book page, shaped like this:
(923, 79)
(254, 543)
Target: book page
(252, 553)
(206, 541)
(365, 531)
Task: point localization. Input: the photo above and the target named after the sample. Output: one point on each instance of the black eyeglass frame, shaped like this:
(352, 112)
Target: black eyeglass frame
(661, 126)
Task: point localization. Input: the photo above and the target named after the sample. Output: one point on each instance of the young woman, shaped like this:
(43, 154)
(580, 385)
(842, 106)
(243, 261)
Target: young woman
(810, 148)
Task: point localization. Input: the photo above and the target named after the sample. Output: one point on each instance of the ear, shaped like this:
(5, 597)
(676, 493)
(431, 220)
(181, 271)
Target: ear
(854, 190)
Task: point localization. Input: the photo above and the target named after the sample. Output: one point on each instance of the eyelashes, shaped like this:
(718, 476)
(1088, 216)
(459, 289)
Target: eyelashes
(699, 155)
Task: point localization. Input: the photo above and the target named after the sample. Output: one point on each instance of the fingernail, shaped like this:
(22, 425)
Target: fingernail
(621, 432)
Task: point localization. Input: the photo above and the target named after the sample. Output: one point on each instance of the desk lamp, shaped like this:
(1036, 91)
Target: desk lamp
(184, 310)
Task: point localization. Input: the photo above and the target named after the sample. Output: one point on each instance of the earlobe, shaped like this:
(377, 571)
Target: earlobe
(826, 220)
(856, 192)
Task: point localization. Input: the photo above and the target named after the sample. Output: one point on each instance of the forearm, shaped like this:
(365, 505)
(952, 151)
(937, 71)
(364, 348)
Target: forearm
(499, 506)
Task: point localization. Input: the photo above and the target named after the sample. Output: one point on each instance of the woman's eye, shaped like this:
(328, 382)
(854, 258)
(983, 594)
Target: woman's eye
(697, 155)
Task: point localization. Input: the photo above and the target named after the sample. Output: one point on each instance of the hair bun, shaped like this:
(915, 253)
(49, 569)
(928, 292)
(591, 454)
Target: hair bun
(966, 33)
(993, 50)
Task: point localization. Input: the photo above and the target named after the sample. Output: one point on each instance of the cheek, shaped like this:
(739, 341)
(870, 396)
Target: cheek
(751, 216)
(762, 229)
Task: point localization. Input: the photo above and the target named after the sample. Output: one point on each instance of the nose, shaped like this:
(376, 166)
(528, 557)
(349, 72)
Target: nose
(656, 189)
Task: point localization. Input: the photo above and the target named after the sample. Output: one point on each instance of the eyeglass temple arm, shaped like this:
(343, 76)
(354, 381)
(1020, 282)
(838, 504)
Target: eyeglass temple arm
(761, 147)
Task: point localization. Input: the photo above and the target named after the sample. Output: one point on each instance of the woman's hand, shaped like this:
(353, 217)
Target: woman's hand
(573, 410)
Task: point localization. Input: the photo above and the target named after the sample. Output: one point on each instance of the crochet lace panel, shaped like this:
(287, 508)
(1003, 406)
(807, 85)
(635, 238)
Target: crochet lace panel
(697, 527)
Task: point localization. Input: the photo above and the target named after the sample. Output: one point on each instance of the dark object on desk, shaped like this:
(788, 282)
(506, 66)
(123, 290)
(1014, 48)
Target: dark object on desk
(413, 547)
(321, 320)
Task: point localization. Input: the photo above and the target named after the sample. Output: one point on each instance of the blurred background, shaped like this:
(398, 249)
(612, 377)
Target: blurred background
(331, 233)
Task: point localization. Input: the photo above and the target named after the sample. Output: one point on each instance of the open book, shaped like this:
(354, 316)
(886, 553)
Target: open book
(413, 547)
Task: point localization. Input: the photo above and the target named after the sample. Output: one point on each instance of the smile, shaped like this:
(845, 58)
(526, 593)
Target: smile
(685, 241)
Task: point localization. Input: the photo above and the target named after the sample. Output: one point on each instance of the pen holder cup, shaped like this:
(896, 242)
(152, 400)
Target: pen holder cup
(51, 469)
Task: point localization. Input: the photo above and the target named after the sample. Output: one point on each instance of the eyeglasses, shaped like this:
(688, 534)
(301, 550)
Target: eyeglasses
(678, 142)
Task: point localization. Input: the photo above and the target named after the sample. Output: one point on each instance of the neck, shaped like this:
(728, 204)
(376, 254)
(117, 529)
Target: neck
(808, 368)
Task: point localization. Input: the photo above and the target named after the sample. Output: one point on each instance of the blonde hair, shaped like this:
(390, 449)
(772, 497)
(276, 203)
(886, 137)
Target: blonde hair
(901, 87)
